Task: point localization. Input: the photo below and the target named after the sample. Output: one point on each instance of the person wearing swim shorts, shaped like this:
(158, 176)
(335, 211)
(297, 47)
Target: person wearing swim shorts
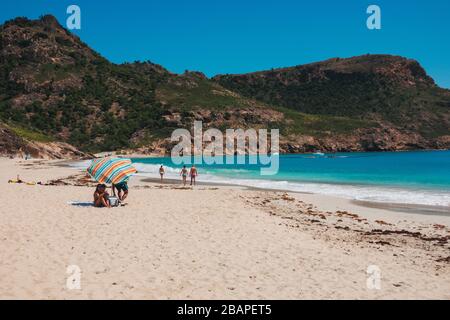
(161, 173)
(122, 190)
(183, 174)
(193, 174)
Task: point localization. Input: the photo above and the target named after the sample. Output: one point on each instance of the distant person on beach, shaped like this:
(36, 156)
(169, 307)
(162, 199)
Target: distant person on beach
(122, 190)
(101, 197)
(18, 180)
(193, 173)
(183, 174)
(161, 173)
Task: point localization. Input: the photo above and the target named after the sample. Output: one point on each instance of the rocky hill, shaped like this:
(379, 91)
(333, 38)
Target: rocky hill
(19, 142)
(393, 91)
(53, 83)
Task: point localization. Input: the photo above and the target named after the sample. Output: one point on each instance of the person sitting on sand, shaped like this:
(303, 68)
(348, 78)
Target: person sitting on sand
(121, 187)
(161, 172)
(193, 173)
(101, 197)
(184, 173)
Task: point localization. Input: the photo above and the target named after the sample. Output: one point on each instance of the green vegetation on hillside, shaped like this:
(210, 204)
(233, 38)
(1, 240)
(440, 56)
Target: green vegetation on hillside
(205, 94)
(28, 134)
(85, 100)
(389, 89)
(53, 86)
(320, 125)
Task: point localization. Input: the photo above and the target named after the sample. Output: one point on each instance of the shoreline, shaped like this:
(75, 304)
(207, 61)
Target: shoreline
(440, 213)
(393, 207)
(408, 208)
(399, 192)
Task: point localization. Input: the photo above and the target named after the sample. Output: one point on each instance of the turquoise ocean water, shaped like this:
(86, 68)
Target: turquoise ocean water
(421, 178)
(397, 177)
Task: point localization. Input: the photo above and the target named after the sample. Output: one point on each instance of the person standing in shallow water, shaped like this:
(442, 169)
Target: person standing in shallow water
(193, 173)
(183, 174)
(161, 173)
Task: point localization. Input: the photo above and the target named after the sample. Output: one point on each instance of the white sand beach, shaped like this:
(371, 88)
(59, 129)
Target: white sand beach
(210, 242)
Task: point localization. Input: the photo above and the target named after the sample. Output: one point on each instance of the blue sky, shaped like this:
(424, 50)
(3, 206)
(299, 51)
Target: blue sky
(237, 36)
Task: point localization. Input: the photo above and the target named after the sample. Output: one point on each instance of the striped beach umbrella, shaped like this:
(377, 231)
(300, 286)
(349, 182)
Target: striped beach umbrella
(111, 170)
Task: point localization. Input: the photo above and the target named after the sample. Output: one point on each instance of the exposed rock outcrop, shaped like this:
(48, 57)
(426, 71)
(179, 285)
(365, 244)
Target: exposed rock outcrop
(11, 145)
